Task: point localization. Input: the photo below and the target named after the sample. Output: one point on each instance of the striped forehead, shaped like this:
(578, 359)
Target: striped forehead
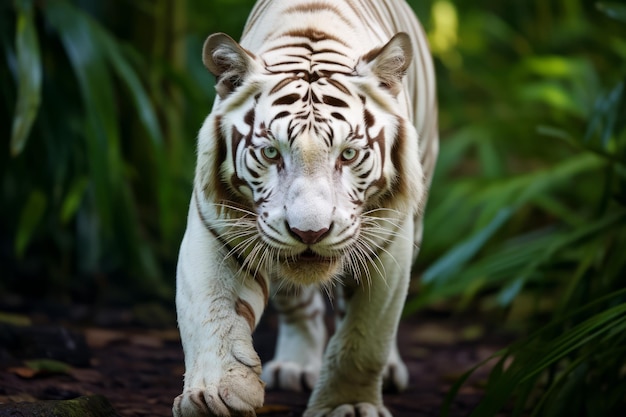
(310, 88)
(294, 104)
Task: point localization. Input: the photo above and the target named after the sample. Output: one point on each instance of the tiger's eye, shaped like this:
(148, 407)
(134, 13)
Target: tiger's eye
(271, 153)
(349, 154)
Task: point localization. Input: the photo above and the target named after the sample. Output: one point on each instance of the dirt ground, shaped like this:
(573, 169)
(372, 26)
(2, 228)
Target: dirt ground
(133, 357)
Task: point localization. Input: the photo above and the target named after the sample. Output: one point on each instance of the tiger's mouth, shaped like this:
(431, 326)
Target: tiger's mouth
(310, 256)
(309, 267)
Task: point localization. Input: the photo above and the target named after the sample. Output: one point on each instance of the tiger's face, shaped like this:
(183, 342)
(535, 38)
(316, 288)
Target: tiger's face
(314, 160)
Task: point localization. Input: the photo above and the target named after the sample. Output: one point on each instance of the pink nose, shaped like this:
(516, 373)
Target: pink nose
(309, 237)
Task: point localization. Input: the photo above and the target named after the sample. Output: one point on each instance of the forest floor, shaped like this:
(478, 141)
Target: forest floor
(133, 357)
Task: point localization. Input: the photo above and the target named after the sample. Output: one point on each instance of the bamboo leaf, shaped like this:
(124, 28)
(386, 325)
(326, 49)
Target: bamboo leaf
(508, 293)
(78, 36)
(29, 75)
(147, 116)
(541, 350)
(30, 218)
(555, 132)
(453, 391)
(138, 95)
(73, 199)
(461, 254)
(604, 115)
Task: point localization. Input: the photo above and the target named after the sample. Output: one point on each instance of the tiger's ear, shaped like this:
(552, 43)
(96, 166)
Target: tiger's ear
(228, 61)
(389, 62)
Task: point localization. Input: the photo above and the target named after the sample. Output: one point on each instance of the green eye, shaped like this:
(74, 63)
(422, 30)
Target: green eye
(349, 154)
(271, 153)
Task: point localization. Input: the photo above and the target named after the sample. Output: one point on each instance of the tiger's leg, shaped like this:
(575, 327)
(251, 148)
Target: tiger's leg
(301, 340)
(217, 311)
(350, 382)
(395, 373)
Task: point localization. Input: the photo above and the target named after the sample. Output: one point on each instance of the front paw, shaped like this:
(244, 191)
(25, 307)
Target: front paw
(238, 394)
(350, 410)
(395, 376)
(291, 376)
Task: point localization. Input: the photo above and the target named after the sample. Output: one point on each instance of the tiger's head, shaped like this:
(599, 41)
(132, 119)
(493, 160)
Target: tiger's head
(312, 166)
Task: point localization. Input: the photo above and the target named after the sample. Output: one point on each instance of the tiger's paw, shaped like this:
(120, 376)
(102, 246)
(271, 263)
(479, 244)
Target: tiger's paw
(350, 410)
(395, 376)
(238, 394)
(290, 376)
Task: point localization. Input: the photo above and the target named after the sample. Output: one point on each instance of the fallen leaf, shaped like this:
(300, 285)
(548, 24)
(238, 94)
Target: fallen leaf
(23, 372)
(15, 319)
(48, 365)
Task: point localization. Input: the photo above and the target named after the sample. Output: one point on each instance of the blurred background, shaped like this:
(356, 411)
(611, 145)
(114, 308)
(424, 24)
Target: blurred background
(101, 102)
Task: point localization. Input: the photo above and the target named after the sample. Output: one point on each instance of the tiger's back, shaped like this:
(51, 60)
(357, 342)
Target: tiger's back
(313, 169)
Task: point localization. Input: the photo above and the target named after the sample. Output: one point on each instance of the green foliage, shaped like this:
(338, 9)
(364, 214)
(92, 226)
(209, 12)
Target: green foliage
(578, 371)
(29, 75)
(100, 164)
(529, 198)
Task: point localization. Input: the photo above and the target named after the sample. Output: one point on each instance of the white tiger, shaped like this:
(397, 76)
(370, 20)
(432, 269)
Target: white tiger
(312, 170)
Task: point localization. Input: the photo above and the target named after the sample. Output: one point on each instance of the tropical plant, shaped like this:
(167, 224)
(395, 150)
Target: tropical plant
(103, 101)
(542, 201)
(101, 110)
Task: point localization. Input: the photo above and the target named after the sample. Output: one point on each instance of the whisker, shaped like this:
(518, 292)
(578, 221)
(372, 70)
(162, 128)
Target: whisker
(382, 209)
(379, 267)
(381, 248)
(238, 249)
(236, 208)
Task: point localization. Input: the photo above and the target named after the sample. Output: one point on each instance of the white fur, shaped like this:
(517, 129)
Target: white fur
(241, 235)
(222, 367)
(301, 341)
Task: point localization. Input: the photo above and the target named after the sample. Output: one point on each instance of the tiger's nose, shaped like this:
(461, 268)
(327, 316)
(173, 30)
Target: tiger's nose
(309, 237)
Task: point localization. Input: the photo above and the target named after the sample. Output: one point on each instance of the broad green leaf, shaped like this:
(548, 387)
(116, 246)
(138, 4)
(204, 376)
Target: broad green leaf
(29, 75)
(30, 218)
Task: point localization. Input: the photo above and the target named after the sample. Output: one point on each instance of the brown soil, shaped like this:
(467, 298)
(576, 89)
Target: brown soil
(139, 366)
